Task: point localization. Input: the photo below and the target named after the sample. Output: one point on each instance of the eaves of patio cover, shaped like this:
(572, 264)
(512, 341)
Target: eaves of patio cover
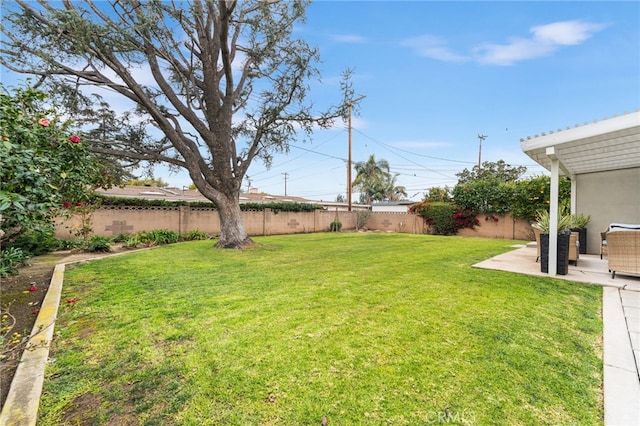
(610, 144)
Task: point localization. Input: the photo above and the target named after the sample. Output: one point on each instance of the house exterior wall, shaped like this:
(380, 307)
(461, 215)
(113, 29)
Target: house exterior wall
(114, 220)
(609, 197)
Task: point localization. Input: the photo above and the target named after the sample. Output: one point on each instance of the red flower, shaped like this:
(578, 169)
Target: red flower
(72, 300)
(66, 204)
(44, 122)
(74, 139)
(33, 288)
(78, 204)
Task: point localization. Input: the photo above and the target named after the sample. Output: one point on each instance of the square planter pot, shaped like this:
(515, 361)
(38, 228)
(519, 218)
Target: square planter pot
(562, 265)
(582, 238)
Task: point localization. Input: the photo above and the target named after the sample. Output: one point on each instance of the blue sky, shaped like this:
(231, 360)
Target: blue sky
(438, 74)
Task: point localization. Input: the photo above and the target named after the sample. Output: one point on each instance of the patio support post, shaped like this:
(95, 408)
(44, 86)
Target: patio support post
(553, 211)
(574, 192)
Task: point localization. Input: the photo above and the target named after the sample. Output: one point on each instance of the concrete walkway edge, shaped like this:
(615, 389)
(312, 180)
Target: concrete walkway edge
(21, 406)
(621, 384)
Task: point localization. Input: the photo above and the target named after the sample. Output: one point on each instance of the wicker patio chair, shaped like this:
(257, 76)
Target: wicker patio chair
(574, 248)
(623, 252)
(603, 243)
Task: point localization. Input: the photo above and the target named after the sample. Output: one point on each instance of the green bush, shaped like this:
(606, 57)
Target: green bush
(10, 259)
(285, 206)
(491, 196)
(69, 244)
(533, 195)
(120, 238)
(444, 218)
(335, 226)
(196, 235)
(132, 241)
(37, 241)
(159, 237)
(99, 244)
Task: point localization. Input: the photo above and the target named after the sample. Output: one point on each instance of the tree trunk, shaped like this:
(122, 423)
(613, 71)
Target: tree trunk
(232, 233)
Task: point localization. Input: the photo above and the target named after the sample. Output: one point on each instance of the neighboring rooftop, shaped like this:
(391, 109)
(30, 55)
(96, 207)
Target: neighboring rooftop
(190, 195)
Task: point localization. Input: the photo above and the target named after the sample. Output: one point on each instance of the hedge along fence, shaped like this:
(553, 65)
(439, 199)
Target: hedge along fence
(112, 220)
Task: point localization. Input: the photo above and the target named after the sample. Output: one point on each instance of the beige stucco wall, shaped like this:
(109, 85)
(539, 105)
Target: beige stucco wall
(111, 221)
(609, 197)
(505, 227)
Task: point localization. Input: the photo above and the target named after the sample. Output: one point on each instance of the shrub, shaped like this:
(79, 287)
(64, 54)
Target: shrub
(37, 241)
(335, 226)
(159, 237)
(362, 217)
(490, 196)
(69, 244)
(10, 259)
(533, 194)
(285, 206)
(99, 244)
(444, 218)
(132, 241)
(196, 235)
(121, 238)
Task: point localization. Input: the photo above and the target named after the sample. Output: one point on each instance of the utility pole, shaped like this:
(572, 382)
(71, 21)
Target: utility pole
(349, 159)
(480, 138)
(285, 183)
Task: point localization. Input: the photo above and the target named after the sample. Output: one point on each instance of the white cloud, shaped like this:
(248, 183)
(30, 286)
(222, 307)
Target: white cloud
(433, 47)
(545, 40)
(565, 33)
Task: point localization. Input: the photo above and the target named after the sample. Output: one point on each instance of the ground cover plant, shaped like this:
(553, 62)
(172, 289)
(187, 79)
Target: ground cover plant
(363, 328)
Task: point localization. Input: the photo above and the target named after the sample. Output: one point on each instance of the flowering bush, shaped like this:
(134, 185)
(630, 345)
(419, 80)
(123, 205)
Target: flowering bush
(44, 165)
(444, 218)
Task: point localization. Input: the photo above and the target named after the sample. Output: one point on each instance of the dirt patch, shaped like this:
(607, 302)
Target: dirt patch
(20, 299)
(87, 402)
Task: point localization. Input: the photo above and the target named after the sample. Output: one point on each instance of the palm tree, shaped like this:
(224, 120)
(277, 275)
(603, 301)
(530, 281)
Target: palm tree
(375, 181)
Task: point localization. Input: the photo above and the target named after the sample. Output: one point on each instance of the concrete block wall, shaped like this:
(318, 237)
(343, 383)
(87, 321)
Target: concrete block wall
(114, 220)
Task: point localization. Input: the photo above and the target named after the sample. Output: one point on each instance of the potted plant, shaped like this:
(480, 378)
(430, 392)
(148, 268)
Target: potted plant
(543, 222)
(579, 224)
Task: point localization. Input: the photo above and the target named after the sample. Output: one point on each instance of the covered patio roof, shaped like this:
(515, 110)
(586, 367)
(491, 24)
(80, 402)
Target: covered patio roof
(610, 144)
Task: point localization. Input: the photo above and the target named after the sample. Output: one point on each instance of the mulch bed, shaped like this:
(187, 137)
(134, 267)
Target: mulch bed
(20, 308)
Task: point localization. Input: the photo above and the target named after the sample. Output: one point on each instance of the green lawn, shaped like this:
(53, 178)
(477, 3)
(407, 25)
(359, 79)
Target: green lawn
(360, 328)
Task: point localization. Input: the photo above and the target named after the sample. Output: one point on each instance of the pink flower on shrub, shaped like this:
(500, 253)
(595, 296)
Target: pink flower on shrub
(78, 204)
(74, 139)
(66, 204)
(44, 122)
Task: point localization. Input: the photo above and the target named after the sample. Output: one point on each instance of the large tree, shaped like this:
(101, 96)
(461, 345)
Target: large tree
(225, 82)
(499, 170)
